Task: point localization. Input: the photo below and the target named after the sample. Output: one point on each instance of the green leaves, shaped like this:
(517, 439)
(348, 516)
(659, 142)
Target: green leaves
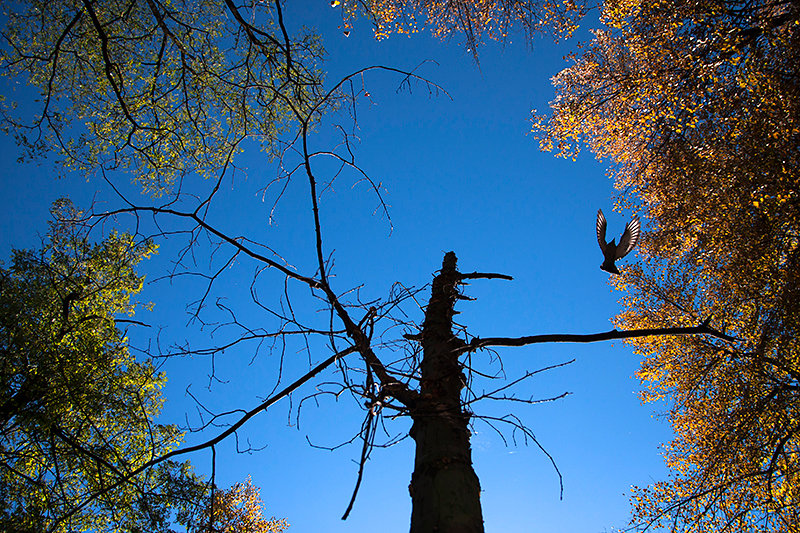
(163, 90)
(76, 409)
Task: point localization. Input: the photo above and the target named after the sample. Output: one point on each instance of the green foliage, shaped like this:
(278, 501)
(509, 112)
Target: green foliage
(164, 89)
(76, 409)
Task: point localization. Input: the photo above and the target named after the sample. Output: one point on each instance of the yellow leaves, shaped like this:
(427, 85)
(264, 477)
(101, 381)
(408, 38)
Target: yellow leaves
(239, 510)
(475, 19)
(63, 344)
(615, 12)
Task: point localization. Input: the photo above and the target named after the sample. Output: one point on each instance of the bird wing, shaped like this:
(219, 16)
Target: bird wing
(601, 230)
(629, 237)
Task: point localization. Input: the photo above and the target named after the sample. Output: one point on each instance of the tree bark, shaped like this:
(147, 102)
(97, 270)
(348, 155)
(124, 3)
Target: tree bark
(445, 491)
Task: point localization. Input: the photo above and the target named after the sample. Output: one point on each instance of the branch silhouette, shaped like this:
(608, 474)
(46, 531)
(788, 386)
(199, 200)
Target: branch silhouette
(211, 442)
(703, 328)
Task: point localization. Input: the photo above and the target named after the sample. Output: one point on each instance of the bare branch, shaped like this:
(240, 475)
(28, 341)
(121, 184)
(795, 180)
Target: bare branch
(484, 275)
(211, 442)
(702, 329)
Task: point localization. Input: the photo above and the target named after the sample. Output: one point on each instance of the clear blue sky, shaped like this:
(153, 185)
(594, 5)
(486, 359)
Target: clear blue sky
(460, 174)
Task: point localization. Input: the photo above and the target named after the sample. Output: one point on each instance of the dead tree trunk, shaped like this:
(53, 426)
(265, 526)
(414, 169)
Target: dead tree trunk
(445, 491)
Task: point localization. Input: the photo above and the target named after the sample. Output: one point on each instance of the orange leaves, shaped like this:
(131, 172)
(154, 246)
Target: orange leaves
(238, 510)
(476, 20)
(696, 106)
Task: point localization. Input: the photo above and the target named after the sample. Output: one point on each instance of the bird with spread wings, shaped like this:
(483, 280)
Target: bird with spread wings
(611, 250)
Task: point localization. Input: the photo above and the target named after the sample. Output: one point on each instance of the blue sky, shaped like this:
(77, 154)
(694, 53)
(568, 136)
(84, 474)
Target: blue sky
(460, 173)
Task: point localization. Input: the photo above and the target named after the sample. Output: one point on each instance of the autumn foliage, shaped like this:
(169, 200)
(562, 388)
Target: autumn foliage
(236, 510)
(164, 90)
(696, 105)
(475, 20)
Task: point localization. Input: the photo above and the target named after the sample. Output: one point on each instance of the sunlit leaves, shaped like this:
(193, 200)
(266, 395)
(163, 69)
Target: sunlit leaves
(161, 89)
(476, 20)
(76, 409)
(236, 510)
(696, 105)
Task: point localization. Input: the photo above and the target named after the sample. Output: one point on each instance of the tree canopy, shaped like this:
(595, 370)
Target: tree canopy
(235, 510)
(161, 89)
(696, 105)
(475, 20)
(76, 409)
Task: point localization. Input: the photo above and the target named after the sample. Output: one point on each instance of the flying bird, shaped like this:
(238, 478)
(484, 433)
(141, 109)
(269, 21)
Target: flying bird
(612, 251)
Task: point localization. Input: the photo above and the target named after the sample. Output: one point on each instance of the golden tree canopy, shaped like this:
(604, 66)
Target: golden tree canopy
(696, 106)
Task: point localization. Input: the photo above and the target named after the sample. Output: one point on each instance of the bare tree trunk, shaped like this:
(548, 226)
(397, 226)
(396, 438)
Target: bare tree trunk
(445, 492)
